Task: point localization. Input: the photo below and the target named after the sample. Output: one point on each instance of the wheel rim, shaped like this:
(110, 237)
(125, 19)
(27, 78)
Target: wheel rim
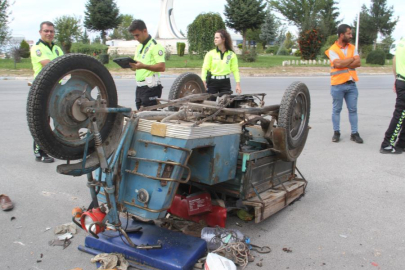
(190, 88)
(66, 122)
(299, 117)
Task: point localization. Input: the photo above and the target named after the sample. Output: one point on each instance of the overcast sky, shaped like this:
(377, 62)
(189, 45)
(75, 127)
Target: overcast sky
(28, 14)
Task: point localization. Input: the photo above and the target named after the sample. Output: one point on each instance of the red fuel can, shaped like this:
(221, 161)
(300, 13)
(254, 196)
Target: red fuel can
(198, 203)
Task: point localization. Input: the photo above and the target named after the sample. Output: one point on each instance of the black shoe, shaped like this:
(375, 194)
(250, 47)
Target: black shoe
(356, 138)
(336, 136)
(391, 150)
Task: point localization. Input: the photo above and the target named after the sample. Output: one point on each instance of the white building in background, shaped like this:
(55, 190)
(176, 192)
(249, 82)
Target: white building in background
(167, 34)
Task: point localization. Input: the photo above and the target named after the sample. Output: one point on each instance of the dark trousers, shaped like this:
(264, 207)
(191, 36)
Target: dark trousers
(218, 86)
(396, 130)
(145, 96)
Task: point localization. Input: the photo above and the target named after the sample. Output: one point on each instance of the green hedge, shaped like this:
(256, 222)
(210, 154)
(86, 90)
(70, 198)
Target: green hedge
(181, 46)
(89, 49)
(376, 57)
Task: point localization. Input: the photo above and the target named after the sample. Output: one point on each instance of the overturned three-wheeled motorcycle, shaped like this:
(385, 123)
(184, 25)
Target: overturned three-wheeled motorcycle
(189, 155)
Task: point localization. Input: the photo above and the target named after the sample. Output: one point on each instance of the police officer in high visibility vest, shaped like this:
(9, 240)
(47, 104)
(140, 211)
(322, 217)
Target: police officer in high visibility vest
(43, 52)
(150, 58)
(394, 140)
(219, 63)
(344, 59)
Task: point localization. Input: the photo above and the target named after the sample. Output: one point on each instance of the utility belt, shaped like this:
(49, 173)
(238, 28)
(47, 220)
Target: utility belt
(150, 82)
(220, 77)
(399, 76)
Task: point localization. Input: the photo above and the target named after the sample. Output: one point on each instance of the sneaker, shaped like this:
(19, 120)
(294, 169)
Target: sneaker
(336, 136)
(390, 150)
(356, 138)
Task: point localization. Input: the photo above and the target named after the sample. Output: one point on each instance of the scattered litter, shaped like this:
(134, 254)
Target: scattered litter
(63, 243)
(377, 253)
(287, 250)
(47, 229)
(65, 236)
(217, 262)
(244, 215)
(12, 218)
(111, 260)
(238, 224)
(21, 243)
(38, 261)
(66, 228)
(77, 269)
(374, 264)
(18, 227)
(42, 255)
(343, 236)
(260, 264)
(47, 193)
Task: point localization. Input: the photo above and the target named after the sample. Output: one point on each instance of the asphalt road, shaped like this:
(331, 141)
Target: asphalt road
(351, 217)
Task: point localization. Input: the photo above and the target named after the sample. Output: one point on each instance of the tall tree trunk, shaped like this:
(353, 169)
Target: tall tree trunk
(103, 34)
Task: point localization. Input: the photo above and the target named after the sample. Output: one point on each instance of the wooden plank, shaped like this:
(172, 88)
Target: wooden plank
(275, 199)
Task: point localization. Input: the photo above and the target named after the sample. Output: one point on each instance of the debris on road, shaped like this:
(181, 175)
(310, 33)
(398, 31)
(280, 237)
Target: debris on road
(287, 250)
(111, 260)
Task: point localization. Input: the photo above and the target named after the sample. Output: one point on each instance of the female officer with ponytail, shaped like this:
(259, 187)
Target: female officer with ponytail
(219, 63)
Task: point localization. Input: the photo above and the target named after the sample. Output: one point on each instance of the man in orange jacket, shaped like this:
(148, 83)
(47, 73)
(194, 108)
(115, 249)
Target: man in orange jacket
(344, 59)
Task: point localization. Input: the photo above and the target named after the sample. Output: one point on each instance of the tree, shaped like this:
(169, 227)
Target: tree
(288, 42)
(200, 33)
(310, 42)
(254, 35)
(101, 15)
(85, 37)
(121, 32)
(269, 29)
(4, 31)
(68, 30)
(381, 16)
(308, 14)
(24, 49)
(329, 18)
(367, 32)
(244, 14)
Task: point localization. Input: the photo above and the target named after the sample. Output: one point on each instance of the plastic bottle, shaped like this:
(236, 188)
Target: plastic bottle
(215, 237)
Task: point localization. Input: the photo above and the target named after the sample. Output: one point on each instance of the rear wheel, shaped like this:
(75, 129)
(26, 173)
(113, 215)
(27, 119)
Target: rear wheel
(53, 107)
(294, 117)
(186, 84)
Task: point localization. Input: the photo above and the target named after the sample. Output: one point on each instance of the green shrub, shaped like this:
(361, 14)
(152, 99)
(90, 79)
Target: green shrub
(181, 46)
(89, 49)
(24, 49)
(310, 42)
(168, 52)
(365, 50)
(272, 49)
(297, 53)
(249, 55)
(376, 57)
(282, 51)
(240, 46)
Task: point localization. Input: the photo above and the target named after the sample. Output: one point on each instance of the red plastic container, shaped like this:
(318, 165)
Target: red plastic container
(198, 203)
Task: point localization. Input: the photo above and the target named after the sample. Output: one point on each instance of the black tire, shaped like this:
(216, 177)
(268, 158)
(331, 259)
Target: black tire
(294, 114)
(49, 99)
(186, 84)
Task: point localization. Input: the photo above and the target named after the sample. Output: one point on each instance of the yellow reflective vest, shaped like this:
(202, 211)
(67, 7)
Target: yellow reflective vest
(43, 51)
(220, 64)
